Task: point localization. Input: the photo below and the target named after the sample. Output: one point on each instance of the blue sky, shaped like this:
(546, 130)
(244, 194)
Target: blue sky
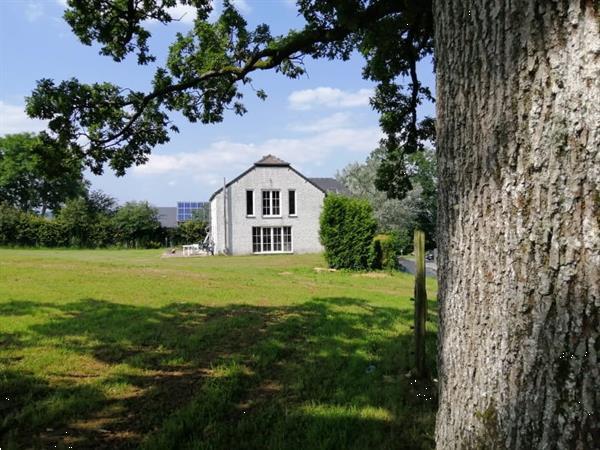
(319, 123)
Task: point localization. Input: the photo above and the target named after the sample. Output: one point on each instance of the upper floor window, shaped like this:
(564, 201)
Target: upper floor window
(271, 203)
(292, 202)
(249, 202)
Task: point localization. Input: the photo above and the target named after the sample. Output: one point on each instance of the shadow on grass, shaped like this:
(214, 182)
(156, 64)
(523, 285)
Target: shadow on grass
(325, 374)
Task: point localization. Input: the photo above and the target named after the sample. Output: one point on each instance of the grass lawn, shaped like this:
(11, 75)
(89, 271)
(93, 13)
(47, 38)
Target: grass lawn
(123, 349)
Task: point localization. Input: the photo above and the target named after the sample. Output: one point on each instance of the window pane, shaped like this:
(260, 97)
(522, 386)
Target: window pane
(266, 203)
(276, 210)
(276, 239)
(266, 239)
(250, 203)
(256, 239)
(287, 239)
(292, 202)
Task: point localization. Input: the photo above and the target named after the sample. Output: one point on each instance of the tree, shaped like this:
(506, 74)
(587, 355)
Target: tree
(517, 146)
(136, 224)
(518, 149)
(78, 221)
(417, 210)
(191, 231)
(101, 203)
(37, 175)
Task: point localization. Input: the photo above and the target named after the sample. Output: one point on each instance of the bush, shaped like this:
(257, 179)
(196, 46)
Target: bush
(190, 232)
(385, 250)
(347, 231)
(376, 254)
(50, 233)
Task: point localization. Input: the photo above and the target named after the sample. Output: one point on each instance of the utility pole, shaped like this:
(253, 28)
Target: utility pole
(224, 216)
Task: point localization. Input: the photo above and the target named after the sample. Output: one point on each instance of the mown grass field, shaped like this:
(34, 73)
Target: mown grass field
(122, 349)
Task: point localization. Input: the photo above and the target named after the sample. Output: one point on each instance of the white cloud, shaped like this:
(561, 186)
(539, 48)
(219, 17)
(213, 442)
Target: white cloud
(14, 120)
(33, 11)
(207, 166)
(329, 97)
(337, 120)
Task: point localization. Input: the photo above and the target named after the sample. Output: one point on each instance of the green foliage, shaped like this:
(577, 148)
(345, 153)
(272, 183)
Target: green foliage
(37, 175)
(418, 209)
(207, 67)
(77, 221)
(136, 225)
(347, 230)
(385, 250)
(83, 222)
(190, 231)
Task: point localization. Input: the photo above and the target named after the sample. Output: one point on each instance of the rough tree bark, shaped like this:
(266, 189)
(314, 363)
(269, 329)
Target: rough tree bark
(518, 136)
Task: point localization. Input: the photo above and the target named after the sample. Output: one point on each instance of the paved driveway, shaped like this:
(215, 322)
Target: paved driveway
(407, 265)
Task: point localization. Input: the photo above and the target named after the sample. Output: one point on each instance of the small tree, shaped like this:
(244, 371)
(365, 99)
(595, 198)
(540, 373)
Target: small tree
(347, 231)
(191, 231)
(77, 221)
(136, 224)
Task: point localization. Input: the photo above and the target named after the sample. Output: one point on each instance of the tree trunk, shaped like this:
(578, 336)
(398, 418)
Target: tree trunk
(518, 98)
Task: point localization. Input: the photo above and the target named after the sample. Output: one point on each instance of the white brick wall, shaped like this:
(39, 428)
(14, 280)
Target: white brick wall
(305, 227)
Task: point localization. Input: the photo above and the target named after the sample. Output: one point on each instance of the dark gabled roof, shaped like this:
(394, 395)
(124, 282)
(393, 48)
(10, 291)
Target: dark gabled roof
(330, 185)
(270, 160)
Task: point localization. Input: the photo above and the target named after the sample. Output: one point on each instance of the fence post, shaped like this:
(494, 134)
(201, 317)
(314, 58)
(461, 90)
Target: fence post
(420, 304)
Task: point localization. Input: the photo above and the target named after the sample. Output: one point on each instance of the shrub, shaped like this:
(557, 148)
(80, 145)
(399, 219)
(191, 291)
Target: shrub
(50, 233)
(136, 225)
(190, 231)
(385, 250)
(347, 230)
(376, 254)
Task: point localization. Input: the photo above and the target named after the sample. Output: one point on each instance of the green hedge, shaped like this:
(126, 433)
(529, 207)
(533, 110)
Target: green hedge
(79, 229)
(385, 250)
(347, 230)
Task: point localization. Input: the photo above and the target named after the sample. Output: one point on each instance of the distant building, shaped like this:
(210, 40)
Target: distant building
(172, 216)
(167, 216)
(189, 210)
(270, 208)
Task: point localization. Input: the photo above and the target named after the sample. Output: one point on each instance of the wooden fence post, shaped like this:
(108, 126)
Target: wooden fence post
(420, 304)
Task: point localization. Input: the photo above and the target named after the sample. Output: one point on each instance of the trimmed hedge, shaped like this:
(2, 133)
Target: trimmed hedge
(347, 230)
(385, 250)
(80, 228)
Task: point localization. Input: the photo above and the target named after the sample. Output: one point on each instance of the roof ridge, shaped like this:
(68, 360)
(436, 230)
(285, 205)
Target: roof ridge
(271, 160)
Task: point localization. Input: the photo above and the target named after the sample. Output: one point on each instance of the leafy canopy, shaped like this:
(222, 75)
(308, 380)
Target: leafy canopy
(207, 68)
(36, 174)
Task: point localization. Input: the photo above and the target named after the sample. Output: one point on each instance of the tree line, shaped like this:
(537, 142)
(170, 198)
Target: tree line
(51, 205)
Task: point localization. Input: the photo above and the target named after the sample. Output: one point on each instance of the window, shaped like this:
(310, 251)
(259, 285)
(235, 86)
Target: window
(271, 203)
(271, 239)
(292, 202)
(266, 242)
(256, 240)
(287, 239)
(276, 239)
(249, 202)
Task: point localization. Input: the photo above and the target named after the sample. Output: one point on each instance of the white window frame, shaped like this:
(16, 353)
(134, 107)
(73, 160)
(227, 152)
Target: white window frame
(271, 239)
(253, 203)
(295, 203)
(262, 207)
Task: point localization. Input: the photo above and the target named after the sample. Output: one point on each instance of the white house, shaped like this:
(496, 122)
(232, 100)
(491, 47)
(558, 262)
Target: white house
(270, 208)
